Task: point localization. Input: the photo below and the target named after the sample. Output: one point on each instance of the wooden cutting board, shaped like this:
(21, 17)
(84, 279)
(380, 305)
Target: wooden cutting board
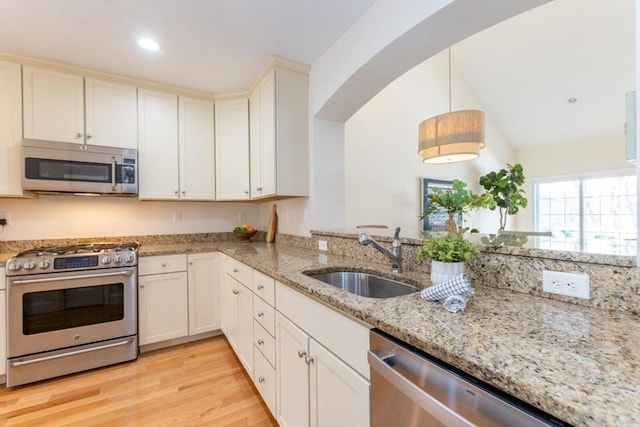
(272, 225)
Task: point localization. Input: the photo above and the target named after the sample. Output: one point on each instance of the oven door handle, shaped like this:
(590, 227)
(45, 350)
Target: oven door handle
(85, 276)
(71, 353)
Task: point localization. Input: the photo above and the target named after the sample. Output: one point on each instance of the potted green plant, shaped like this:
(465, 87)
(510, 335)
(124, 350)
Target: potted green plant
(448, 253)
(505, 189)
(456, 200)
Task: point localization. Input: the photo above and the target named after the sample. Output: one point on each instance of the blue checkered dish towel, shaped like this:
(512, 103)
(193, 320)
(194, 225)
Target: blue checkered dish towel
(453, 293)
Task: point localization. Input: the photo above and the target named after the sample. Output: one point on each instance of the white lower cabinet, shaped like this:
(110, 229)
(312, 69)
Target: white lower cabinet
(239, 320)
(292, 374)
(338, 395)
(204, 292)
(163, 307)
(307, 360)
(178, 295)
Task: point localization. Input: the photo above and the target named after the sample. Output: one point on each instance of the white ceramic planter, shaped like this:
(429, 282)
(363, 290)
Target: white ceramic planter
(443, 271)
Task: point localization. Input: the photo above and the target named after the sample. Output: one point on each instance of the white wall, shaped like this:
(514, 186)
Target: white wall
(383, 169)
(599, 153)
(50, 217)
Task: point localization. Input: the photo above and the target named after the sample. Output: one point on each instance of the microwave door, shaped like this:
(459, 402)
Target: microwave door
(70, 171)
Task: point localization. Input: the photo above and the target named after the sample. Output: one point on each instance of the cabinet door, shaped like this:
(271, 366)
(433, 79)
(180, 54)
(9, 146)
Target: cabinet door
(268, 134)
(111, 114)
(10, 130)
(3, 323)
(339, 396)
(53, 105)
(163, 307)
(292, 374)
(158, 145)
(197, 150)
(255, 143)
(232, 149)
(204, 290)
(245, 328)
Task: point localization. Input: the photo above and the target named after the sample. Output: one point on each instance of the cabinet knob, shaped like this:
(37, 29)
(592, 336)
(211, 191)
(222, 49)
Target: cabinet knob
(246, 192)
(190, 262)
(236, 292)
(141, 286)
(260, 287)
(176, 192)
(259, 189)
(184, 192)
(235, 270)
(89, 136)
(164, 264)
(260, 314)
(308, 360)
(261, 380)
(260, 341)
(78, 135)
(302, 353)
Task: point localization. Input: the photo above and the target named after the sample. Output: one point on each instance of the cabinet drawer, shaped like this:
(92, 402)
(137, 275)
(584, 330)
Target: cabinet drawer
(239, 271)
(264, 377)
(264, 342)
(265, 287)
(265, 315)
(162, 264)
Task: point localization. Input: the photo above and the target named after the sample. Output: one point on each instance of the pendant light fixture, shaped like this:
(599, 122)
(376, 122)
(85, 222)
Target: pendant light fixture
(452, 137)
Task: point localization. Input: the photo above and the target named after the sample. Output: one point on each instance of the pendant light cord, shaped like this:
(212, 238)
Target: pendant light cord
(449, 50)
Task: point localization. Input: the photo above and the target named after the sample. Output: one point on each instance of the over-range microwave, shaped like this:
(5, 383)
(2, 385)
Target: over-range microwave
(59, 167)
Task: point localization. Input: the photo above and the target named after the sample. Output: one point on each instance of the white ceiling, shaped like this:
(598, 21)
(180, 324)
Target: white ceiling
(534, 62)
(213, 46)
(524, 70)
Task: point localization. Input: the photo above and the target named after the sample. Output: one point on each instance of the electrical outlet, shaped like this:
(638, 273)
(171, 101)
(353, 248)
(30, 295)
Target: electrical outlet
(177, 216)
(242, 216)
(7, 217)
(322, 245)
(568, 284)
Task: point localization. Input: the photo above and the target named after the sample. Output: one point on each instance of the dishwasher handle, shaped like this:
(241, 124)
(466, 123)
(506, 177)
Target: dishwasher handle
(431, 405)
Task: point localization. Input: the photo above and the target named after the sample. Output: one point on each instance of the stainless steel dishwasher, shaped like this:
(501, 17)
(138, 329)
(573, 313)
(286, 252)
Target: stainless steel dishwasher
(410, 388)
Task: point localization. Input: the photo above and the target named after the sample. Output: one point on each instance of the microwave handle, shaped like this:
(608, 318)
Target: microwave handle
(113, 175)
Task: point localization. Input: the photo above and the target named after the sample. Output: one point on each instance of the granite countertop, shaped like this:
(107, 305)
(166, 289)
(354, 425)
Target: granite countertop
(579, 364)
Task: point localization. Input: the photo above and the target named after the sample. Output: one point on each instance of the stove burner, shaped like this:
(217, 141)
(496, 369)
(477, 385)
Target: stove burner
(80, 249)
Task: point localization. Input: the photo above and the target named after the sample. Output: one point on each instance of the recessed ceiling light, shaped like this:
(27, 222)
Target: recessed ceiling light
(148, 44)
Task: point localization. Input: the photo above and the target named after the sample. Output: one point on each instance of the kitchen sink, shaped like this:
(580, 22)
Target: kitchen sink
(365, 284)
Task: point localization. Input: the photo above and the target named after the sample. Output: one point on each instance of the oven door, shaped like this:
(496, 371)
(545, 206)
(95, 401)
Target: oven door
(60, 310)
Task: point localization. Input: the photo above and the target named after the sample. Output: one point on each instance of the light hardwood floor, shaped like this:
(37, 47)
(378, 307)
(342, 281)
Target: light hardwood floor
(196, 384)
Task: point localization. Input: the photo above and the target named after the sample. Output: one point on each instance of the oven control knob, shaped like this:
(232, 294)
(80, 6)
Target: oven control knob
(117, 259)
(106, 260)
(129, 258)
(29, 265)
(14, 266)
(44, 264)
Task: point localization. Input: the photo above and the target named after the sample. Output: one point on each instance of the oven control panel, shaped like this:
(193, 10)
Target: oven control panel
(51, 264)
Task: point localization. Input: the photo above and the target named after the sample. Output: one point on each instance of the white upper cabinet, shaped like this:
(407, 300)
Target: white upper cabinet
(58, 107)
(232, 149)
(111, 114)
(279, 142)
(197, 150)
(53, 105)
(158, 145)
(10, 130)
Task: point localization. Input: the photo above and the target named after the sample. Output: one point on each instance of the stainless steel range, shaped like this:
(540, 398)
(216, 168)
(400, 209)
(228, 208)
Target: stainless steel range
(70, 308)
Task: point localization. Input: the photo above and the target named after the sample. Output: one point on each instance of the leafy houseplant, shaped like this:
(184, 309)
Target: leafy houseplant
(504, 187)
(448, 253)
(455, 201)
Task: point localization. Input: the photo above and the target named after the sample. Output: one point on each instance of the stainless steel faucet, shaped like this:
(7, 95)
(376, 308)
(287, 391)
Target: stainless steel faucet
(395, 254)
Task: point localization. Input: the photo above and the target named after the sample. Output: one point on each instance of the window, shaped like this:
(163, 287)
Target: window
(591, 214)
